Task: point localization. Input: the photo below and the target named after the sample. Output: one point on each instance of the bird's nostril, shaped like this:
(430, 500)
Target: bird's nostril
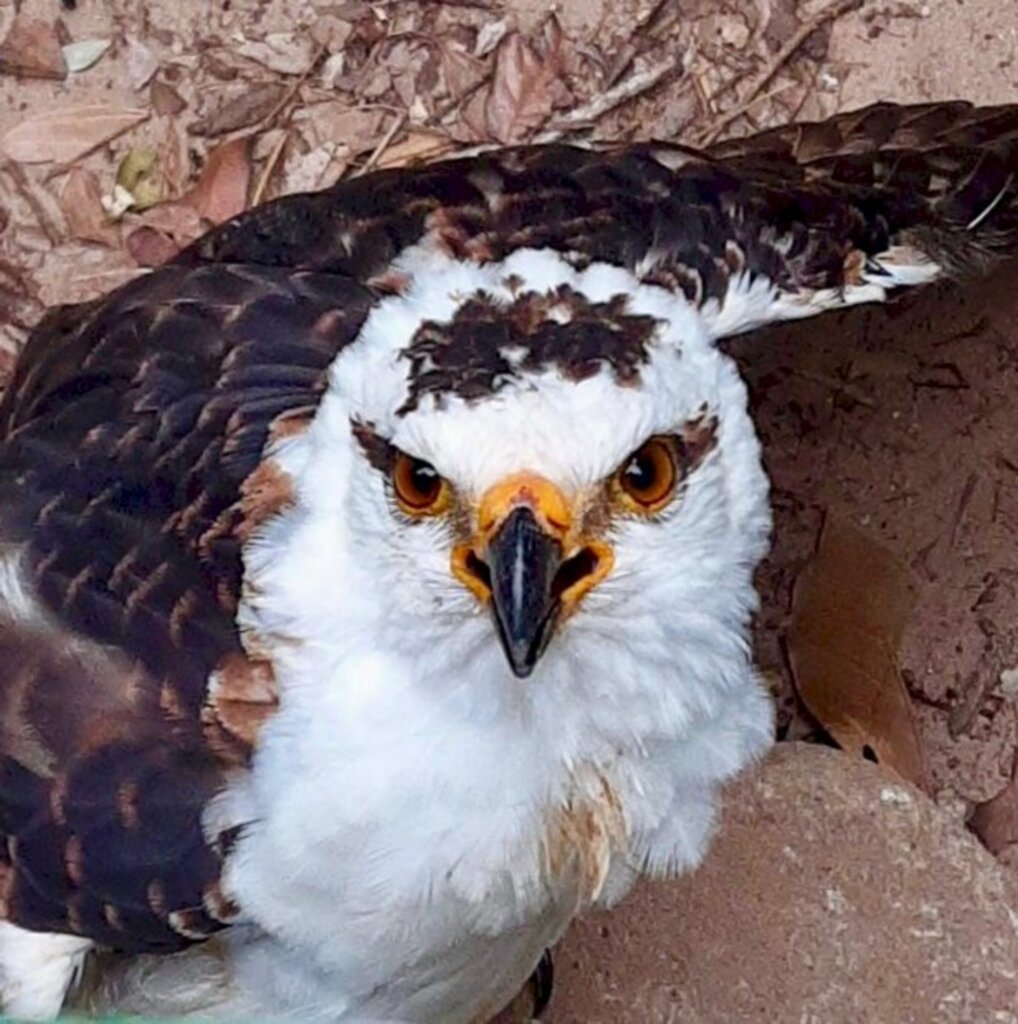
(478, 568)
(581, 565)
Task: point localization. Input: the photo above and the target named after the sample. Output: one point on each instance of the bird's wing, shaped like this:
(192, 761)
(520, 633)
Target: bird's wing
(777, 226)
(132, 443)
(904, 195)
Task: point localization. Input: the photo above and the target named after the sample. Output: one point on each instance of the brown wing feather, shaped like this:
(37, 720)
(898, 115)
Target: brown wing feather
(132, 445)
(804, 206)
(101, 804)
(944, 175)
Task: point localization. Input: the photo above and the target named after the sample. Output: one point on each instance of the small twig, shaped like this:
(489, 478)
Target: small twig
(269, 169)
(637, 83)
(831, 13)
(382, 146)
(704, 98)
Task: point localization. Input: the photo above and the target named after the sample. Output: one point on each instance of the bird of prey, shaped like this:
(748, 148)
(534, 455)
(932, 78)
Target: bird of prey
(375, 576)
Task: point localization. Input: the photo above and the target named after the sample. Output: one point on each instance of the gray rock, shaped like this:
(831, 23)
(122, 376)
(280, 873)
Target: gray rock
(834, 893)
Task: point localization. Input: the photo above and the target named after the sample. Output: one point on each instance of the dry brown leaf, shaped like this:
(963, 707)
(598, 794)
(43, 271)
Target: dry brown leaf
(220, 66)
(173, 158)
(222, 189)
(250, 107)
(265, 143)
(32, 50)
(330, 32)
(141, 62)
(782, 23)
(8, 357)
(728, 28)
(411, 66)
(489, 36)
(470, 126)
(166, 101)
(20, 303)
(849, 611)
(285, 52)
(333, 70)
(178, 220)
(461, 72)
(372, 84)
(38, 203)
(527, 84)
(337, 122)
(162, 231)
(66, 134)
(554, 45)
(77, 272)
(303, 172)
(81, 200)
(149, 247)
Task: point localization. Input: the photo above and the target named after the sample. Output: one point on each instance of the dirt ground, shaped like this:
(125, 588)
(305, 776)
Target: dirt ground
(901, 420)
(897, 419)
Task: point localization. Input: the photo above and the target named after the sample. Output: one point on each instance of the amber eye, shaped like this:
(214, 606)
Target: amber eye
(419, 488)
(649, 476)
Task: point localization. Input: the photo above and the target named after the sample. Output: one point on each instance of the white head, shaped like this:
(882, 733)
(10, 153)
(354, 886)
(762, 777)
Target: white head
(550, 495)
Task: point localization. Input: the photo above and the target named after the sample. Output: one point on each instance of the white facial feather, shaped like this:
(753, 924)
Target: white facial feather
(409, 780)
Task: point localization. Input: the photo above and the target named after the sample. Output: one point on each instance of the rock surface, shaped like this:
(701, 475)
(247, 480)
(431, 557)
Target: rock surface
(835, 893)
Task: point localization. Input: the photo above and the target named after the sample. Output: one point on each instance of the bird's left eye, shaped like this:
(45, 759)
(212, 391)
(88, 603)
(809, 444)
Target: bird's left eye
(648, 478)
(419, 488)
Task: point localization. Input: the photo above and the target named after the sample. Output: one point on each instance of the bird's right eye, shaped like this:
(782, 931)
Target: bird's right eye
(419, 489)
(647, 480)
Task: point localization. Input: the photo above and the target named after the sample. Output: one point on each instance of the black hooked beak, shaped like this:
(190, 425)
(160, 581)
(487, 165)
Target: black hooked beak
(523, 562)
